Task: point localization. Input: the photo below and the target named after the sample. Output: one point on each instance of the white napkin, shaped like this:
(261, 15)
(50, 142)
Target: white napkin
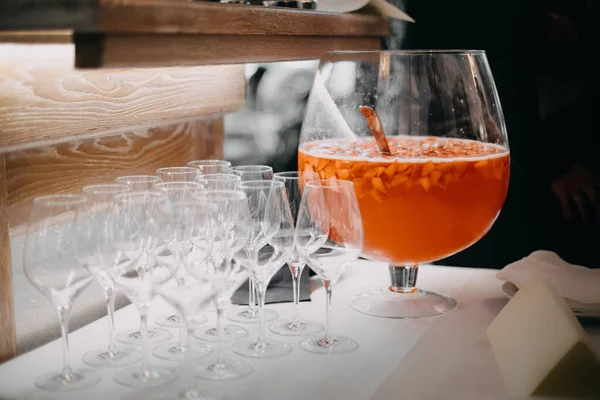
(572, 282)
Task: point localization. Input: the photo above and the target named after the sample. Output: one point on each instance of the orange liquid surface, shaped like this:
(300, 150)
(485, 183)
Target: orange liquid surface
(430, 199)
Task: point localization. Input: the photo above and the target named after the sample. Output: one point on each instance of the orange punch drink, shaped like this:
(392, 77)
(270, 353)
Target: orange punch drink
(430, 198)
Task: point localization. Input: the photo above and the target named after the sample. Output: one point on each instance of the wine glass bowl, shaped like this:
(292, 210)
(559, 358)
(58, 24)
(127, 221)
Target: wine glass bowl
(445, 178)
(211, 166)
(139, 182)
(177, 174)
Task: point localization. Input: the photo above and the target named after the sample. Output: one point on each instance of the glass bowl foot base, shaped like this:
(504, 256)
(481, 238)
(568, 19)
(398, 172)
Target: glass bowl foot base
(389, 304)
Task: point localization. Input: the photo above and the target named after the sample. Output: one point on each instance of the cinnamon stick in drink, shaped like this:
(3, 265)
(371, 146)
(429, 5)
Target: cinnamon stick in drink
(376, 129)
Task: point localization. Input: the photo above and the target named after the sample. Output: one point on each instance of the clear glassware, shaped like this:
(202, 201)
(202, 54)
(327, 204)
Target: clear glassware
(271, 242)
(139, 182)
(249, 314)
(179, 189)
(155, 335)
(211, 166)
(442, 182)
(138, 248)
(177, 174)
(190, 237)
(232, 224)
(218, 181)
(92, 228)
(329, 236)
(53, 268)
(183, 216)
(294, 182)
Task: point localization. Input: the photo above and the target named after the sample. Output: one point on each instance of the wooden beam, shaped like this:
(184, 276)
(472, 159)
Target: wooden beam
(120, 50)
(183, 16)
(8, 343)
(43, 99)
(200, 17)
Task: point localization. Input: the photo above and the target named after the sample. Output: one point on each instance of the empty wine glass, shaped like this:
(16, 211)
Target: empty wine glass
(155, 335)
(177, 174)
(329, 235)
(231, 231)
(253, 172)
(178, 191)
(190, 232)
(183, 217)
(211, 166)
(92, 228)
(218, 181)
(271, 240)
(249, 314)
(294, 182)
(139, 182)
(52, 268)
(140, 252)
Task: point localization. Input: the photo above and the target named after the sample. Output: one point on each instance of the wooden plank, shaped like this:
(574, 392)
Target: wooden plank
(53, 36)
(8, 341)
(169, 50)
(183, 16)
(44, 99)
(66, 167)
(199, 17)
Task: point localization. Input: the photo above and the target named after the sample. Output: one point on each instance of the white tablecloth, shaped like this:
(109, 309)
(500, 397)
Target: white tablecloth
(446, 357)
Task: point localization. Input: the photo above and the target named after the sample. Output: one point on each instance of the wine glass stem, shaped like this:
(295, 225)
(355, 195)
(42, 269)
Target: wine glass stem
(184, 337)
(189, 332)
(296, 273)
(218, 325)
(328, 291)
(109, 296)
(404, 278)
(251, 296)
(143, 309)
(63, 316)
(262, 292)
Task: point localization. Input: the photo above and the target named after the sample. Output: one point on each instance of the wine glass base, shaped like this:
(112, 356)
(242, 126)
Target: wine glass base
(229, 333)
(265, 349)
(134, 338)
(176, 352)
(337, 345)
(76, 380)
(225, 368)
(145, 376)
(389, 304)
(295, 328)
(174, 321)
(111, 359)
(245, 315)
(187, 393)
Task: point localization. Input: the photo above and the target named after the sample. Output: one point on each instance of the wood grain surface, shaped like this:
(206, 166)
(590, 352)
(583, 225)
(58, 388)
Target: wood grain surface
(168, 50)
(43, 99)
(8, 342)
(66, 167)
(183, 16)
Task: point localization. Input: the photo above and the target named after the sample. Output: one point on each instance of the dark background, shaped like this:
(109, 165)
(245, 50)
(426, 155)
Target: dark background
(542, 57)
